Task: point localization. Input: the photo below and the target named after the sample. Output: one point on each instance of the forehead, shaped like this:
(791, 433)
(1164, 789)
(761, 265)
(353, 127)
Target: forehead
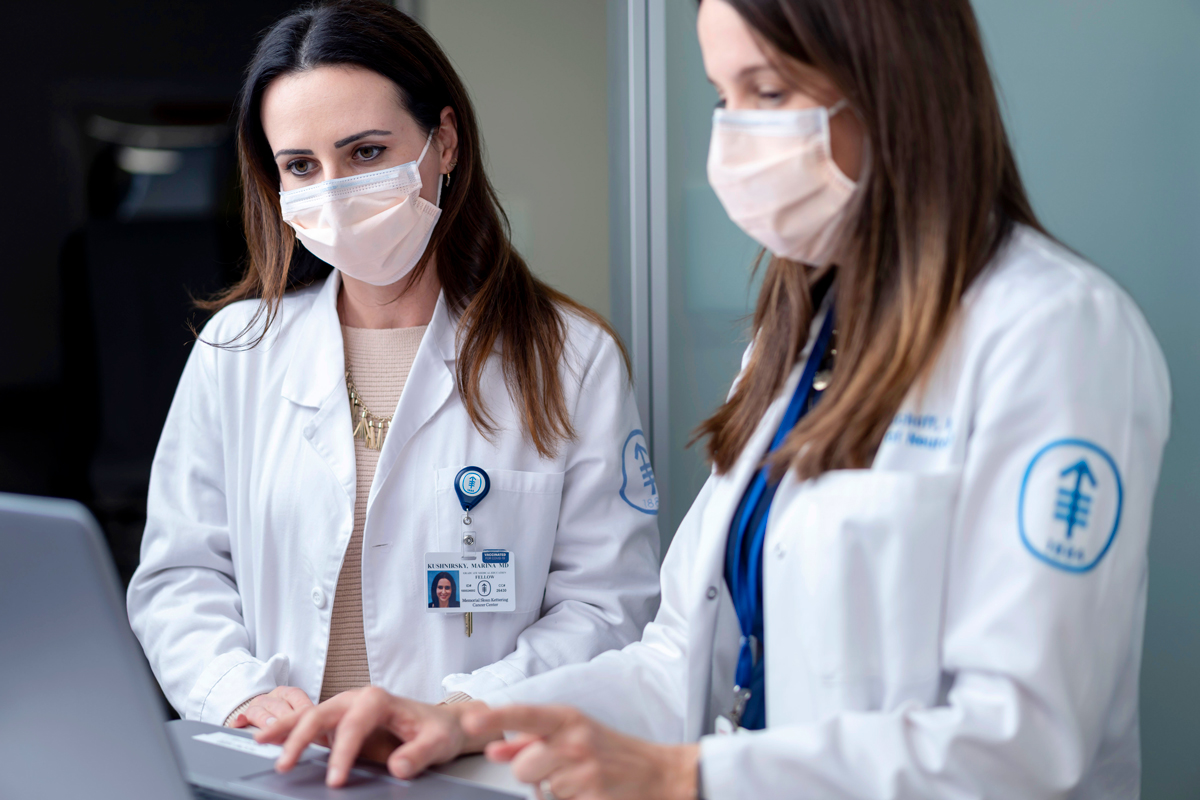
(727, 43)
(315, 101)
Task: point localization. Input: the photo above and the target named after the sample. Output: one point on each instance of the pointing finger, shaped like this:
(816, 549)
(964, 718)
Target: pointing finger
(538, 720)
(504, 750)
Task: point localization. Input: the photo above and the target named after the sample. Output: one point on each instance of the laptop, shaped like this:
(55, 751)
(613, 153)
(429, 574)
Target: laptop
(80, 716)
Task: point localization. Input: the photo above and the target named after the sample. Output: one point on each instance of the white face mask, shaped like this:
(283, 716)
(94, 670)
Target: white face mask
(373, 227)
(774, 173)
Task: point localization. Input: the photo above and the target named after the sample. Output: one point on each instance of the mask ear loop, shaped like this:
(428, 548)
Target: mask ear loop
(425, 149)
(833, 111)
(865, 169)
(421, 158)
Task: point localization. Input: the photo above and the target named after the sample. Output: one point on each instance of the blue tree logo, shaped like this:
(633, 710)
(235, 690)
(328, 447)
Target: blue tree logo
(1073, 505)
(638, 488)
(1069, 509)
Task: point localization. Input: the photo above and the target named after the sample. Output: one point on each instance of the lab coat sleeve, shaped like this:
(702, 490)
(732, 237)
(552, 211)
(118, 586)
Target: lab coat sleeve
(602, 587)
(642, 689)
(183, 600)
(1036, 658)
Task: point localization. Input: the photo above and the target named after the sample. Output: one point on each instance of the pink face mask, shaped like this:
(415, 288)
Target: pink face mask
(373, 227)
(774, 173)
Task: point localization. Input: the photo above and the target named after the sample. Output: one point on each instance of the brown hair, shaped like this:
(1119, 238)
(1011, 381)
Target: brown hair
(939, 197)
(482, 276)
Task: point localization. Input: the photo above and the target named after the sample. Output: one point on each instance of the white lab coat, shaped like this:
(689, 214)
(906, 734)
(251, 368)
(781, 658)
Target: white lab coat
(931, 631)
(252, 499)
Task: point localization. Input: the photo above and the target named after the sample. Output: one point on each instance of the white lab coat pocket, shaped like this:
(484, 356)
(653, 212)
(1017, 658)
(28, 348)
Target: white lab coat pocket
(519, 514)
(854, 571)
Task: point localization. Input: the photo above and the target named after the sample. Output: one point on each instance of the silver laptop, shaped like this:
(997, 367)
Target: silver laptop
(79, 714)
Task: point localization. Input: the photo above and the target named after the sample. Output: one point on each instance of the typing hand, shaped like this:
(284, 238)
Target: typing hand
(566, 754)
(266, 708)
(407, 735)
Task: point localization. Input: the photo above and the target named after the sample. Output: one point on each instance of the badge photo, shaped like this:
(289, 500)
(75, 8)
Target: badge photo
(443, 588)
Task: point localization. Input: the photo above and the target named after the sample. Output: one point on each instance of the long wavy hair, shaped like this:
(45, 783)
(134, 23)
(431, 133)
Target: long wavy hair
(940, 195)
(501, 305)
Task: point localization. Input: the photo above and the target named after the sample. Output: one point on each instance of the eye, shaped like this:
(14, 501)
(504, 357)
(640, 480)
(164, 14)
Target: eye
(300, 167)
(771, 96)
(369, 152)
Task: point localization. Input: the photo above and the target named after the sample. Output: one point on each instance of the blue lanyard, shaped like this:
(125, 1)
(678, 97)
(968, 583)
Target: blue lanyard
(743, 558)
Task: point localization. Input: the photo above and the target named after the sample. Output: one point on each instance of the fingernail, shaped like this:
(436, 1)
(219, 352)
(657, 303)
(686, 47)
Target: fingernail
(334, 777)
(270, 721)
(404, 768)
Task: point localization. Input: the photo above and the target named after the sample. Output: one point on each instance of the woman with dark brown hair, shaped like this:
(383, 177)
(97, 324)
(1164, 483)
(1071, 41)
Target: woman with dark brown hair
(430, 401)
(919, 568)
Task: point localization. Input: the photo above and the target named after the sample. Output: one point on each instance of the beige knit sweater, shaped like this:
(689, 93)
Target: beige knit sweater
(379, 361)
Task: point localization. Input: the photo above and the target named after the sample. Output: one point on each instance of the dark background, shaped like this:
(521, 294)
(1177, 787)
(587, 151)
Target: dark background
(95, 288)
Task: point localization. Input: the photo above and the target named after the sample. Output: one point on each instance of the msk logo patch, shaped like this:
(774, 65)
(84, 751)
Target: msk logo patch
(1070, 504)
(637, 476)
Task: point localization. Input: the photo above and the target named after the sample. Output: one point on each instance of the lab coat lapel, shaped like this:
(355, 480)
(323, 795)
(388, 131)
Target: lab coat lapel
(710, 560)
(429, 385)
(316, 379)
(714, 538)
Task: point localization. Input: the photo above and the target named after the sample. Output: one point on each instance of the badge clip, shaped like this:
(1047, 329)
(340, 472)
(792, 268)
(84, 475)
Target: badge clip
(471, 484)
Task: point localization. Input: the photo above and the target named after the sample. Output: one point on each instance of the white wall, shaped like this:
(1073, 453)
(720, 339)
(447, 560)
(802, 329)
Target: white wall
(537, 73)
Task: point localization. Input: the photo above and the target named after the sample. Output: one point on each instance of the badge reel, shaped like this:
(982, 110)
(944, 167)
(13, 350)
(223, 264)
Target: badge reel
(470, 580)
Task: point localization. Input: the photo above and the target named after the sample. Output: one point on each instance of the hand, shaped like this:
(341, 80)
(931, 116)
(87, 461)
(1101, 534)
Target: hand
(576, 757)
(266, 708)
(407, 735)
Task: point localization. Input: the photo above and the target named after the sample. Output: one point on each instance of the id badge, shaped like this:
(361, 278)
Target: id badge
(484, 582)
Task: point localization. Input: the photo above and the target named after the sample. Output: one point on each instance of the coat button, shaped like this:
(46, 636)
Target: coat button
(711, 594)
(318, 597)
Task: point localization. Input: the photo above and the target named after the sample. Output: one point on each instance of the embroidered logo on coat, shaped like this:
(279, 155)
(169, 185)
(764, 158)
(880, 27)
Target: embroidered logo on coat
(637, 476)
(1070, 505)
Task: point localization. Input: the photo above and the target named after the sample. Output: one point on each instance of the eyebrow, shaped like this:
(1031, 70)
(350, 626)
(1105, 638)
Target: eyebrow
(294, 153)
(748, 71)
(357, 136)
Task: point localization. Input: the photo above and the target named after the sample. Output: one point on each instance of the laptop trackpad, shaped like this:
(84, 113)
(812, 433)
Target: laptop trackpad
(306, 781)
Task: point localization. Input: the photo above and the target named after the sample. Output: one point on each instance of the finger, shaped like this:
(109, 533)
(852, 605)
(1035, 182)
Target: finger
(503, 750)
(538, 720)
(368, 711)
(298, 699)
(264, 711)
(575, 780)
(277, 731)
(536, 761)
(431, 745)
(311, 724)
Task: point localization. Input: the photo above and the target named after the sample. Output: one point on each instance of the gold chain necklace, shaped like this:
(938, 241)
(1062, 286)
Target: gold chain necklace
(370, 428)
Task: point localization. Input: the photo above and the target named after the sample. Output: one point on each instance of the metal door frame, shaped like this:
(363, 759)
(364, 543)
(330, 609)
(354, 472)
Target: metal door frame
(638, 218)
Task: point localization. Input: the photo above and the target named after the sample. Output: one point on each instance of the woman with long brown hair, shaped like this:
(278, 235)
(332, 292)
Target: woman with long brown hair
(919, 568)
(428, 407)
